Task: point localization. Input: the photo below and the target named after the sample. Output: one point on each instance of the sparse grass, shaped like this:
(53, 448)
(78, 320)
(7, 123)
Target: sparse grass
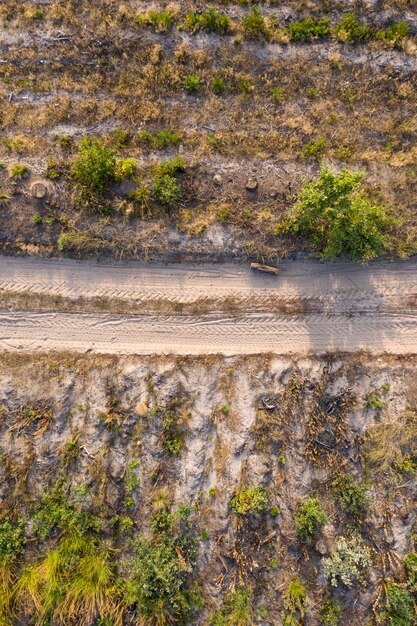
(237, 609)
(295, 603)
(391, 443)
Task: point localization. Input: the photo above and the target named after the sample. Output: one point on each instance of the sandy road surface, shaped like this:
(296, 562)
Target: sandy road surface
(355, 307)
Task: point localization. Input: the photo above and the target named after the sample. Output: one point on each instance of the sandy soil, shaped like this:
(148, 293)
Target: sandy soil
(346, 307)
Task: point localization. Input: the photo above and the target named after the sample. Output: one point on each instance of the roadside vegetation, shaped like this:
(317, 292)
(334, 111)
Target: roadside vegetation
(249, 96)
(110, 532)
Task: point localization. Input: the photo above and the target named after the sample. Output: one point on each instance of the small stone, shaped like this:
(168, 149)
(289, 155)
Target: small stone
(217, 179)
(38, 190)
(273, 193)
(142, 409)
(251, 184)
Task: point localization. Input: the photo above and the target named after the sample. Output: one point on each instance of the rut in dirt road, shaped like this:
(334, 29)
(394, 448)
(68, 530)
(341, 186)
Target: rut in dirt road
(346, 307)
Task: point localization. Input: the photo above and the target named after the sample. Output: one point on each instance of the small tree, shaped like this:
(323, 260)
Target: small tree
(339, 218)
(95, 165)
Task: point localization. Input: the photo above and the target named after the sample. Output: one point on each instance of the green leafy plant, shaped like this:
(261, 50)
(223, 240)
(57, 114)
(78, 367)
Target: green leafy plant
(309, 519)
(192, 83)
(313, 149)
(52, 171)
(158, 574)
(125, 168)
(166, 189)
(393, 34)
(295, 603)
(254, 24)
(399, 609)
(351, 29)
(12, 540)
(278, 94)
(94, 167)
(210, 21)
(161, 139)
(330, 613)
(339, 218)
(237, 609)
(309, 28)
(347, 562)
(161, 21)
(218, 85)
(249, 500)
(351, 494)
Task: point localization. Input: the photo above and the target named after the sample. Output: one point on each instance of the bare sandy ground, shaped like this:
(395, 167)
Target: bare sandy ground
(346, 307)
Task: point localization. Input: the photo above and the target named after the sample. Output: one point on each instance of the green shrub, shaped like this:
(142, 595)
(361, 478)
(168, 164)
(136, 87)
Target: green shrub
(12, 541)
(351, 29)
(351, 495)
(94, 167)
(399, 606)
(249, 500)
(166, 190)
(237, 609)
(254, 24)
(18, 171)
(125, 168)
(330, 613)
(410, 563)
(210, 21)
(278, 94)
(313, 149)
(159, 571)
(295, 603)
(52, 171)
(308, 29)
(218, 85)
(393, 34)
(161, 139)
(338, 218)
(309, 519)
(347, 562)
(171, 166)
(160, 20)
(192, 83)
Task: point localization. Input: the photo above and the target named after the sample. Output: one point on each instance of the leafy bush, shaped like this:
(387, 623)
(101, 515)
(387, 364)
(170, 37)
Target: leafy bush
(210, 21)
(410, 563)
(158, 572)
(218, 85)
(351, 495)
(338, 218)
(192, 83)
(167, 190)
(347, 562)
(399, 606)
(308, 29)
(313, 149)
(254, 24)
(351, 29)
(18, 171)
(309, 519)
(52, 172)
(295, 603)
(330, 614)
(249, 500)
(12, 541)
(236, 611)
(393, 34)
(125, 168)
(171, 167)
(161, 139)
(94, 167)
(160, 20)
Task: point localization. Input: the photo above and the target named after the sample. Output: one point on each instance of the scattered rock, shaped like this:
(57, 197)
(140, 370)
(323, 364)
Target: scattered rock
(321, 547)
(38, 189)
(217, 179)
(251, 184)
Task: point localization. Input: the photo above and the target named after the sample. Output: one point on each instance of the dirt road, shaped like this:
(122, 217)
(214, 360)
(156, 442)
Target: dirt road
(309, 307)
